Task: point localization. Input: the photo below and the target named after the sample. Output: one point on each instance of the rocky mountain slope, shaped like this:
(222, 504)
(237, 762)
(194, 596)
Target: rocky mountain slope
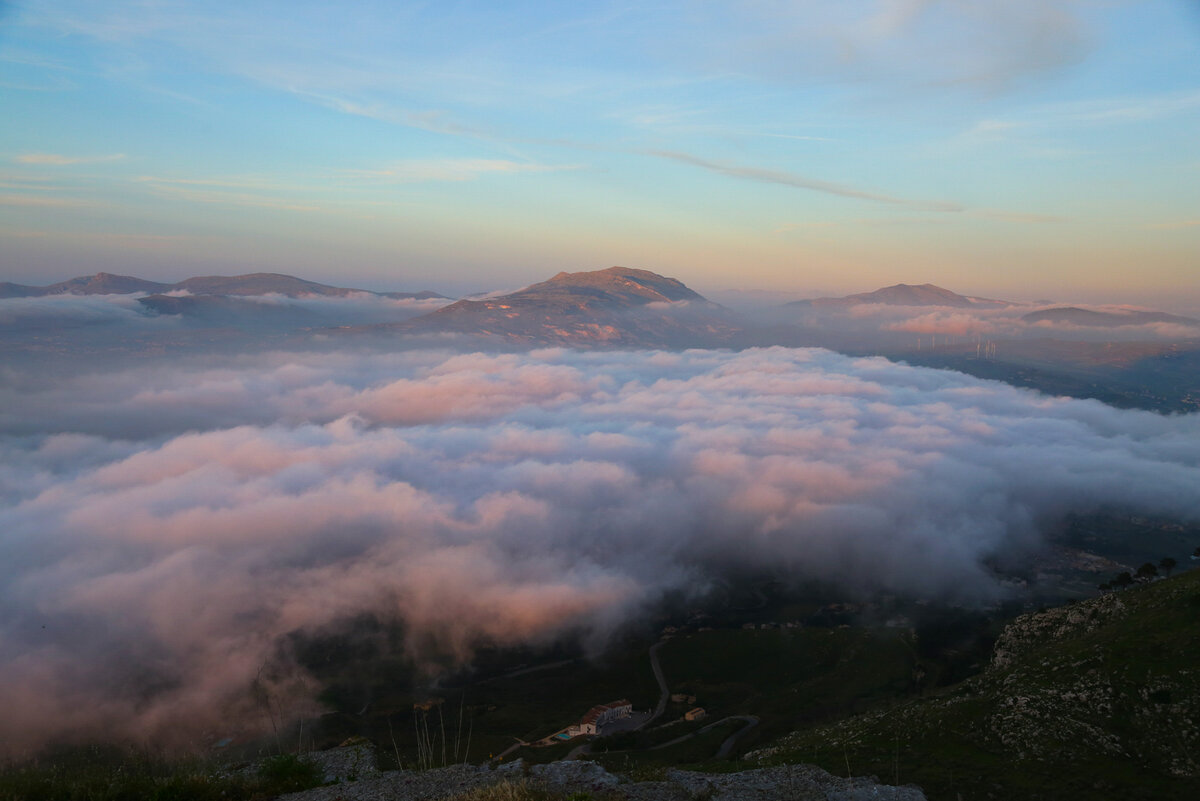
(617, 307)
(1098, 699)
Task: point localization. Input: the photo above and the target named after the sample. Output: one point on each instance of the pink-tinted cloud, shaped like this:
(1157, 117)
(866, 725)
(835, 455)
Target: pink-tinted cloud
(149, 573)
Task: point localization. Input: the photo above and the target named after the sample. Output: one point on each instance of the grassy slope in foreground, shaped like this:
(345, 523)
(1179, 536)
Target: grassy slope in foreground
(1097, 699)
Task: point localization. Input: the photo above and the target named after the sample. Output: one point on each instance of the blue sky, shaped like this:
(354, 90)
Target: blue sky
(1021, 148)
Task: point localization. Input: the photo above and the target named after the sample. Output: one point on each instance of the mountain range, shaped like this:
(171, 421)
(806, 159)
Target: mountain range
(616, 307)
(1072, 315)
(578, 307)
(900, 295)
(250, 284)
(1121, 356)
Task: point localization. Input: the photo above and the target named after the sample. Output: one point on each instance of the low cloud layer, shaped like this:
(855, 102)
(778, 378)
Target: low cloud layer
(162, 528)
(998, 321)
(125, 314)
(70, 311)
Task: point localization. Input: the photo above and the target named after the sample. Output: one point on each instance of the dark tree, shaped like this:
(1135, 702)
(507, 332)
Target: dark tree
(1146, 572)
(1105, 587)
(1123, 579)
(1167, 564)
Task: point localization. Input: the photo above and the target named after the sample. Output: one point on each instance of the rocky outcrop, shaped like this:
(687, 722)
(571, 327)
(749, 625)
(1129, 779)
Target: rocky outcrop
(763, 784)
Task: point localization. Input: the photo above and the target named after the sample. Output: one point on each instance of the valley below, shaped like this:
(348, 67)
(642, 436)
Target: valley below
(1056, 692)
(599, 536)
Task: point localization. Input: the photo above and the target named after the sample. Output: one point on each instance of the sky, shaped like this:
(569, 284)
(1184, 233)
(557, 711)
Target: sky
(1022, 149)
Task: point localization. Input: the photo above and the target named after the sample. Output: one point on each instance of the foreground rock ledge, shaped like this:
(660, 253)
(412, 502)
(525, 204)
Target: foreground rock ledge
(780, 782)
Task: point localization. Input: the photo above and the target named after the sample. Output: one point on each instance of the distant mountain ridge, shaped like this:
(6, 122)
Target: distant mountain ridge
(632, 285)
(1107, 353)
(618, 306)
(1073, 315)
(250, 284)
(98, 284)
(900, 295)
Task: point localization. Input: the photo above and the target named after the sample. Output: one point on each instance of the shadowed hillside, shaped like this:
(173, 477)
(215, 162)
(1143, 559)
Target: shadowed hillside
(1097, 699)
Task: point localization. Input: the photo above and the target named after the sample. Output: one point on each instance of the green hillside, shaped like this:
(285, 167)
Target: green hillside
(1097, 699)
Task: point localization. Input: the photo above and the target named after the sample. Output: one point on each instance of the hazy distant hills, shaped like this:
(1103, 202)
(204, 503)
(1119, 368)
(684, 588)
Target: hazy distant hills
(899, 295)
(617, 307)
(251, 284)
(1123, 356)
(1072, 315)
(229, 310)
(110, 314)
(931, 295)
(98, 284)
(276, 284)
(616, 284)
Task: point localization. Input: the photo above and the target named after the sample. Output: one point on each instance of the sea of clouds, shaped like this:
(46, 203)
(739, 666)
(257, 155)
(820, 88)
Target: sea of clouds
(999, 321)
(125, 313)
(163, 526)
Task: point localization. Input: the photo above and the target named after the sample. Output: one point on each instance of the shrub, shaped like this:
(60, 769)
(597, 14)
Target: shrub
(288, 773)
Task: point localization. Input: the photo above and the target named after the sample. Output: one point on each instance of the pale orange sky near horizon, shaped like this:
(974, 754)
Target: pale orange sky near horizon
(1027, 149)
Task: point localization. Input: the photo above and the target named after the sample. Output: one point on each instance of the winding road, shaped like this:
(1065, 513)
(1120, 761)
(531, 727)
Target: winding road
(664, 693)
(726, 746)
(512, 748)
(664, 696)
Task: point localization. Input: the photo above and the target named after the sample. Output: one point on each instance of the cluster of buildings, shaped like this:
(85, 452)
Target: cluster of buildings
(599, 715)
(695, 713)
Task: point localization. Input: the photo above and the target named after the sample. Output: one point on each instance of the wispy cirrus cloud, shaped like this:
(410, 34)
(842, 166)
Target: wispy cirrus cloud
(248, 192)
(1125, 109)
(269, 192)
(59, 160)
(797, 181)
(867, 222)
(250, 182)
(43, 201)
(234, 199)
(1016, 216)
(1033, 125)
(999, 215)
(432, 120)
(1175, 225)
(454, 169)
